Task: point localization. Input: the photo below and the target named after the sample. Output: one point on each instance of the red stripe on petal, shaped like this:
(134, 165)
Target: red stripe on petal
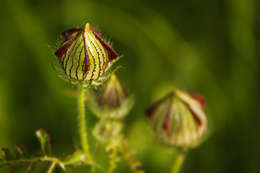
(193, 113)
(94, 30)
(167, 123)
(195, 116)
(63, 50)
(86, 54)
(112, 54)
(201, 100)
(149, 112)
(153, 108)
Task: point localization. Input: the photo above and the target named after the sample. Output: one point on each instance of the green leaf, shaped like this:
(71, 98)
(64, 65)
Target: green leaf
(44, 140)
(78, 157)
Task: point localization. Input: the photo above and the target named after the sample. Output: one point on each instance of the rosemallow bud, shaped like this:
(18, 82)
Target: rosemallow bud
(179, 119)
(85, 57)
(112, 102)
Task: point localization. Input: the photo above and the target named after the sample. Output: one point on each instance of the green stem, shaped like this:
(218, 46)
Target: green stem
(134, 164)
(32, 160)
(52, 167)
(114, 159)
(178, 162)
(82, 123)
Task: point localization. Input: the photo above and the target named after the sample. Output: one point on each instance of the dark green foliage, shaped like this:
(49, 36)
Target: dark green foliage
(205, 47)
(19, 157)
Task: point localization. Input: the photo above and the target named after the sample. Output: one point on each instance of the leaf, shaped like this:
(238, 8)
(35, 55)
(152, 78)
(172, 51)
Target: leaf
(78, 157)
(44, 140)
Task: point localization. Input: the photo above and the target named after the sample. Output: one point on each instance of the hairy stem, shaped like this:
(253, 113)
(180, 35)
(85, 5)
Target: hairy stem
(114, 159)
(134, 164)
(32, 160)
(178, 162)
(82, 123)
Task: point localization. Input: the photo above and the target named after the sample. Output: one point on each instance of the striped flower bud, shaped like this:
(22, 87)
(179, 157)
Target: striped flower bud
(112, 102)
(84, 56)
(179, 119)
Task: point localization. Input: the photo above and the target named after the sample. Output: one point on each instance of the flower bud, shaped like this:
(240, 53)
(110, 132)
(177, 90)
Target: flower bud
(113, 94)
(84, 56)
(179, 119)
(112, 102)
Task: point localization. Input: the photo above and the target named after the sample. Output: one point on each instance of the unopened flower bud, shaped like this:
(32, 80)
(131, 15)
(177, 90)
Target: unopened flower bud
(84, 56)
(113, 94)
(179, 119)
(112, 102)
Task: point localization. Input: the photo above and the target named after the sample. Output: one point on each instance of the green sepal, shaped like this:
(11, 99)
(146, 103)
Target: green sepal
(56, 66)
(106, 131)
(112, 68)
(107, 112)
(77, 158)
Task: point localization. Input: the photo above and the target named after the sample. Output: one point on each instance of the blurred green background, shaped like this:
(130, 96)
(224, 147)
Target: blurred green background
(205, 47)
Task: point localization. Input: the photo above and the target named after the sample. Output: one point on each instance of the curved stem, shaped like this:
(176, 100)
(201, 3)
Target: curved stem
(82, 123)
(32, 160)
(178, 162)
(52, 167)
(53, 160)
